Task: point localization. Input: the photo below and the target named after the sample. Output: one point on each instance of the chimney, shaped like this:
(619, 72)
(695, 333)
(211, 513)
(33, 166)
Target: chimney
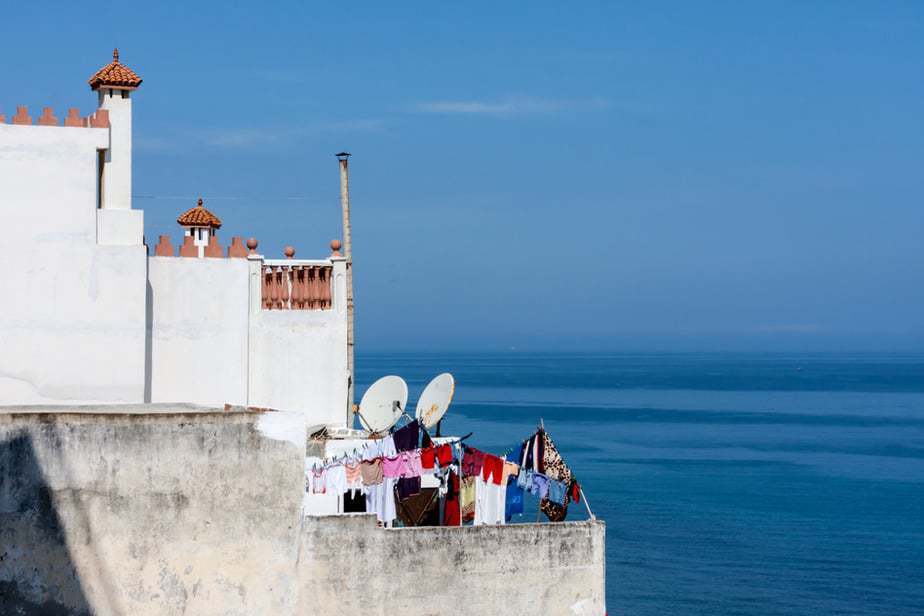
(114, 84)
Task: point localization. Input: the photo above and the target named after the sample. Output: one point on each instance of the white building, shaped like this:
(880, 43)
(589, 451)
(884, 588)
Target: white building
(88, 316)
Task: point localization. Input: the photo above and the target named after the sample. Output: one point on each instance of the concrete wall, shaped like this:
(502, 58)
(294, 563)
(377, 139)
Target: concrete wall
(72, 317)
(171, 512)
(348, 566)
(198, 329)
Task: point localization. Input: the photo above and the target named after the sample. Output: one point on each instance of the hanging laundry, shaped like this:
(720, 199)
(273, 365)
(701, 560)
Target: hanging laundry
(452, 512)
(428, 458)
(556, 469)
(558, 492)
(540, 485)
(372, 472)
(493, 469)
(408, 486)
(467, 498)
(318, 485)
(511, 469)
(490, 502)
(354, 476)
(514, 501)
(335, 479)
(444, 455)
(408, 437)
(472, 462)
(380, 500)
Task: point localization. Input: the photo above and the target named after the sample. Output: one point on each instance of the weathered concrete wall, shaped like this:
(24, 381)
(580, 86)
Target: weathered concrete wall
(178, 510)
(348, 566)
(168, 513)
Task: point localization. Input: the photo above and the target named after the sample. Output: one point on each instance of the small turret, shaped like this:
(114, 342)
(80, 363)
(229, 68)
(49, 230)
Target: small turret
(114, 83)
(200, 224)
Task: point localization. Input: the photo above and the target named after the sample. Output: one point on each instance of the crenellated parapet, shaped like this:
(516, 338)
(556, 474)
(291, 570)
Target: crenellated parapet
(98, 119)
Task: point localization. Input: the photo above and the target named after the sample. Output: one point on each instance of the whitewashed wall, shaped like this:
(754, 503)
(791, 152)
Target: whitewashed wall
(72, 312)
(212, 342)
(198, 330)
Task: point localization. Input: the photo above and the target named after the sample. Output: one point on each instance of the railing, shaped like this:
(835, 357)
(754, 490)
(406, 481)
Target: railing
(297, 285)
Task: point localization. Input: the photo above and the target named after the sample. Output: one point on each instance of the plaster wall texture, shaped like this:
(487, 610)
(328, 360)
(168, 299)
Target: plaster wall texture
(73, 316)
(212, 343)
(169, 512)
(348, 566)
(297, 358)
(199, 318)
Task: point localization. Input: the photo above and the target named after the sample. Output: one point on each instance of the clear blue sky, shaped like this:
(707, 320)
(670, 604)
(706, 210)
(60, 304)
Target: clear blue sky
(593, 175)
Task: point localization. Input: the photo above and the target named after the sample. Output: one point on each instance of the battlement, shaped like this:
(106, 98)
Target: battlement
(99, 119)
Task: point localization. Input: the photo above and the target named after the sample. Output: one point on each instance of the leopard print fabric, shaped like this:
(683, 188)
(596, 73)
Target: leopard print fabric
(555, 468)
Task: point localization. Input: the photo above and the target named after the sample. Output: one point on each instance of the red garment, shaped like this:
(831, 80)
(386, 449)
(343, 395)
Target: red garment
(493, 467)
(444, 455)
(472, 462)
(428, 458)
(452, 515)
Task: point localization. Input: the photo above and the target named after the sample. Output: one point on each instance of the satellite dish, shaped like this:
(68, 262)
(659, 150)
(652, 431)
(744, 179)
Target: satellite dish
(435, 400)
(383, 403)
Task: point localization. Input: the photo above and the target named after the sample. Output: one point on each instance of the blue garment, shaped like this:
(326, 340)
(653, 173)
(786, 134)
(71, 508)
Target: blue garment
(558, 492)
(540, 485)
(525, 480)
(514, 499)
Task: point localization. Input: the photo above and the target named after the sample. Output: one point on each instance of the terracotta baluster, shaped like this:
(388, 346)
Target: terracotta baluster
(325, 287)
(282, 283)
(301, 288)
(267, 288)
(312, 288)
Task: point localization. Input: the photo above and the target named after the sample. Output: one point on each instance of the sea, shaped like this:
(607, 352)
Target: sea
(729, 483)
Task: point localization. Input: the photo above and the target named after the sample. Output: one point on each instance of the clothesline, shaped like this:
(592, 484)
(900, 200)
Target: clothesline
(475, 486)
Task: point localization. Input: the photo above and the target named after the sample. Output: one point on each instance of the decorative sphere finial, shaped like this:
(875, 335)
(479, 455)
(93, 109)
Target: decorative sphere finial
(115, 55)
(199, 203)
(289, 252)
(252, 245)
(335, 246)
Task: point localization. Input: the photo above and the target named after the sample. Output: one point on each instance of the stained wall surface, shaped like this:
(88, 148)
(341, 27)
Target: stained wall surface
(348, 566)
(169, 512)
(175, 510)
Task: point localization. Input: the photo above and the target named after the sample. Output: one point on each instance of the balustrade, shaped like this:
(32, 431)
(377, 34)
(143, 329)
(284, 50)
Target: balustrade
(293, 286)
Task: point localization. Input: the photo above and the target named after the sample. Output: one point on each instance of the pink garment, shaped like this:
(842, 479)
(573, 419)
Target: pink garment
(391, 467)
(404, 465)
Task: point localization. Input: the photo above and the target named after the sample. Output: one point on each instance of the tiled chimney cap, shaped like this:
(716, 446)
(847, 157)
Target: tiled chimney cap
(115, 75)
(199, 217)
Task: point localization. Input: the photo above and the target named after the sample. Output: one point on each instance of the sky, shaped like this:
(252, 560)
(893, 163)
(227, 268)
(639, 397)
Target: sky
(594, 176)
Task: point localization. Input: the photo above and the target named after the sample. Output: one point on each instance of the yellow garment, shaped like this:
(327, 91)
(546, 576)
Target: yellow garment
(467, 498)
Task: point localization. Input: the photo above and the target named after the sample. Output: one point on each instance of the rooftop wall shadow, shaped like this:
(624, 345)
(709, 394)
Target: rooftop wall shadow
(37, 573)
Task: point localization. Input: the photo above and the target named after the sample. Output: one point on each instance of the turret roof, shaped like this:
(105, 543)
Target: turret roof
(115, 75)
(199, 217)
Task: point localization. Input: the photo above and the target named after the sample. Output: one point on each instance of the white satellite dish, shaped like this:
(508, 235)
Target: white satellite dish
(435, 400)
(383, 403)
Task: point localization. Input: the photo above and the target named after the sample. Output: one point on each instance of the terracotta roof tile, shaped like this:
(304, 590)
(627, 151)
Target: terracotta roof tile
(199, 217)
(115, 75)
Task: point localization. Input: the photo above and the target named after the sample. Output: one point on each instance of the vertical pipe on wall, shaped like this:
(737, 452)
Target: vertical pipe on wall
(343, 158)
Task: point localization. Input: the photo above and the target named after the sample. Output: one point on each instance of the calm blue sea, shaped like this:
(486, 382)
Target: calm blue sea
(730, 483)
